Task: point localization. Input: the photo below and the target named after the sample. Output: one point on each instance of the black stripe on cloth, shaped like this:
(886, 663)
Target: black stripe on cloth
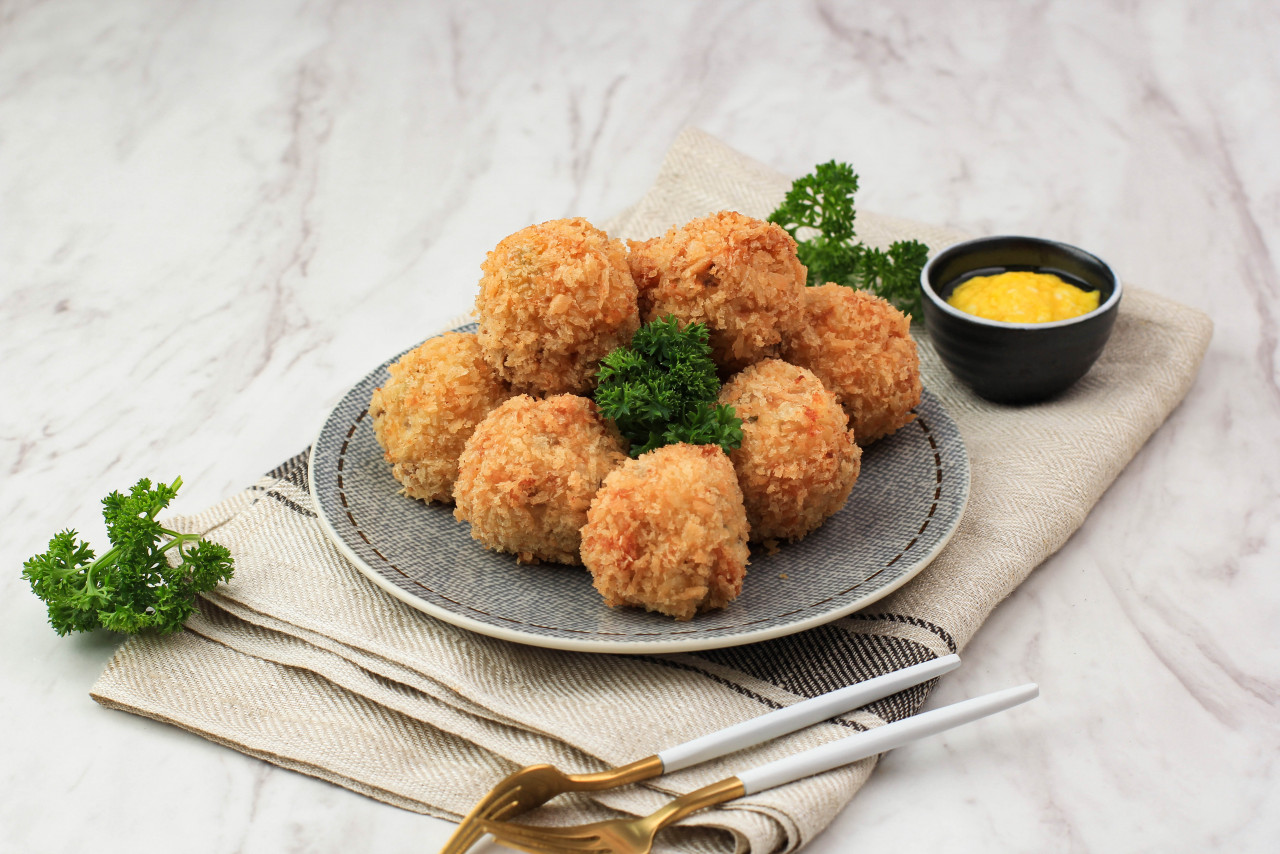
(294, 470)
(913, 621)
(827, 658)
(287, 502)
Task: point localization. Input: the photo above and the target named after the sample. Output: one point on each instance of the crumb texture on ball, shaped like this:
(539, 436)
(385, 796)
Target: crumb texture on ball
(554, 299)
(529, 471)
(798, 460)
(861, 348)
(427, 409)
(668, 532)
(738, 275)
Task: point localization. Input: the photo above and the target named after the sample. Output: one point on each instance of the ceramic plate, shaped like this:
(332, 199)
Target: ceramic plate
(905, 506)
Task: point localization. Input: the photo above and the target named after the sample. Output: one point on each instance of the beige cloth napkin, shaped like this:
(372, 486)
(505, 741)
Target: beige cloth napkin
(304, 663)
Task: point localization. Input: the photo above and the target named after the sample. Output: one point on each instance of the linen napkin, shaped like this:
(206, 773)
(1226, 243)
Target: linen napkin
(303, 662)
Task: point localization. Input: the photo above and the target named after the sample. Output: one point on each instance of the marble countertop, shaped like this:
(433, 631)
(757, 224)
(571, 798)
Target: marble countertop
(214, 218)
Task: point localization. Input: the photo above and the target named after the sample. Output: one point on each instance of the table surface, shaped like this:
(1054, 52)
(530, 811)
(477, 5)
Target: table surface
(214, 218)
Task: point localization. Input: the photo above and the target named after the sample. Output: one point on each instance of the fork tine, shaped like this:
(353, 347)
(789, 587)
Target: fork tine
(468, 831)
(547, 838)
(467, 834)
(536, 844)
(502, 812)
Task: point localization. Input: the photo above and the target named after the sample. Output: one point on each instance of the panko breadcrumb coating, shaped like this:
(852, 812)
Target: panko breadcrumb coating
(738, 275)
(798, 460)
(529, 471)
(424, 414)
(861, 348)
(668, 532)
(554, 299)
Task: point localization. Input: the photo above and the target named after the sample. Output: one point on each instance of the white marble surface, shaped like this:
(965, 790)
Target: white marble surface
(214, 217)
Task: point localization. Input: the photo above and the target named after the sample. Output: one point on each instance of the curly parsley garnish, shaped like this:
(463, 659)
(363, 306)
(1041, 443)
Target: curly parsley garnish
(131, 587)
(662, 389)
(823, 201)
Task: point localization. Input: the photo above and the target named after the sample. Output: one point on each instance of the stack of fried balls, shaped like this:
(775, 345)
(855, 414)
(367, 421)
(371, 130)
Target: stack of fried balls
(501, 422)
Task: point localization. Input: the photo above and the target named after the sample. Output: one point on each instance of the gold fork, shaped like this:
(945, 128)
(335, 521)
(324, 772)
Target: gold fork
(635, 835)
(623, 835)
(534, 785)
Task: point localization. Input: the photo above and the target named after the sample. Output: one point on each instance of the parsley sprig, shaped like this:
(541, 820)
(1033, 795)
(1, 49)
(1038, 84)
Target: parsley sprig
(820, 206)
(132, 587)
(662, 389)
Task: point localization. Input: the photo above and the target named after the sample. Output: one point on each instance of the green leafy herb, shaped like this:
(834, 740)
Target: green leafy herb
(662, 389)
(132, 587)
(821, 203)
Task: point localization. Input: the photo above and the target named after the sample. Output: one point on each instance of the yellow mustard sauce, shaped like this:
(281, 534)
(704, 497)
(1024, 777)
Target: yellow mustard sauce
(1022, 297)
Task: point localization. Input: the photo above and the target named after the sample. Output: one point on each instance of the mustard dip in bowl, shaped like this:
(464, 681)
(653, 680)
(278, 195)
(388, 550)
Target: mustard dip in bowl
(1018, 362)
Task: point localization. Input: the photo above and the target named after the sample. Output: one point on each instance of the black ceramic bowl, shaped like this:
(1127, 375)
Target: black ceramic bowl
(1017, 362)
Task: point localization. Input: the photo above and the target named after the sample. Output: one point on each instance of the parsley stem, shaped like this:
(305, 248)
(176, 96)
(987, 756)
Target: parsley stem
(107, 558)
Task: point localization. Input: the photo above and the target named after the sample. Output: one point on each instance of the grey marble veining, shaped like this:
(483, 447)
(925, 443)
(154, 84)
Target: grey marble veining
(214, 218)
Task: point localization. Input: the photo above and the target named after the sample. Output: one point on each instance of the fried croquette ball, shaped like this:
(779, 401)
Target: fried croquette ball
(738, 275)
(426, 411)
(798, 459)
(529, 471)
(668, 532)
(554, 299)
(861, 348)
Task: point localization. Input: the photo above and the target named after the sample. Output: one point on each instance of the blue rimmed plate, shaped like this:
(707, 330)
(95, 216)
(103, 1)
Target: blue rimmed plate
(905, 506)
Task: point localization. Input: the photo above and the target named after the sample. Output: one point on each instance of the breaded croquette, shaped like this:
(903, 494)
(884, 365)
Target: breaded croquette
(798, 460)
(425, 412)
(738, 275)
(668, 532)
(529, 471)
(861, 348)
(554, 299)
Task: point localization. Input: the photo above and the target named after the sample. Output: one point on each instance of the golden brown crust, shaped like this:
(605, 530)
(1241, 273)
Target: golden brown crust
(427, 409)
(668, 532)
(738, 275)
(861, 348)
(798, 460)
(554, 299)
(529, 471)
